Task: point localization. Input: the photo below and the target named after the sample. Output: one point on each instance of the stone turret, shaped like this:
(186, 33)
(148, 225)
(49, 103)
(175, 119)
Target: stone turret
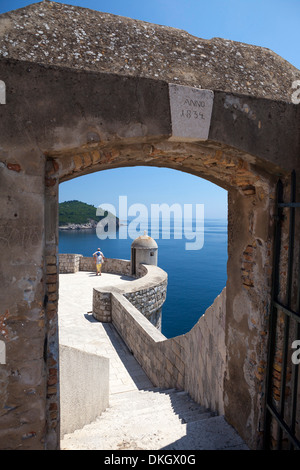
(144, 250)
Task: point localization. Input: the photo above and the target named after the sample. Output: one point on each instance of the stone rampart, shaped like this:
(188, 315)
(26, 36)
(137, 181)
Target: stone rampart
(194, 362)
(110, 265)
(205, 356)
(147, 293)
(160, 358)
(72, 263)
(69, 263)
(87, 103)
(150, 301)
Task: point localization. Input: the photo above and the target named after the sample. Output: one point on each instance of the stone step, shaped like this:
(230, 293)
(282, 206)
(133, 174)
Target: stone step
(154, 419)
(175, 400)
(161, 414)
(154, 395)
(210, 434)
(185, 411)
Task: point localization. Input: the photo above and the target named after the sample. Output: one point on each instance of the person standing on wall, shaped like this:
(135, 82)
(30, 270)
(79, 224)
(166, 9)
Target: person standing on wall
(99, 258)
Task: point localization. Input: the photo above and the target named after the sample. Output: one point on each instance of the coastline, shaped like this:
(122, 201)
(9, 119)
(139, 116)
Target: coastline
(88, 226)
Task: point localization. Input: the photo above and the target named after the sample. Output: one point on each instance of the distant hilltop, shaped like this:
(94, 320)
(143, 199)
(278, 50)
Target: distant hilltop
(77, 215)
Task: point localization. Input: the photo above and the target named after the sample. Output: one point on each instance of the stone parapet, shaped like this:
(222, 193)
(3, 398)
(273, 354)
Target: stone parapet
(110, 265)
(72, 263)
(102, 305)
(147, 293)
(69, 263)
(149, 302)
(116, 266)
(160, 360)
(205, 354)
(87, 264)
(183, 361)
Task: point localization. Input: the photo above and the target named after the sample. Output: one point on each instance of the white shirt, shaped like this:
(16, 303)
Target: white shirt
(99, 255)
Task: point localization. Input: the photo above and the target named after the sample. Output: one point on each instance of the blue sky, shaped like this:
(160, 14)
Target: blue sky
(274, 24)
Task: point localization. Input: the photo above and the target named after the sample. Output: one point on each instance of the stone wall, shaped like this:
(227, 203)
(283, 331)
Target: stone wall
(205, 355)
(110, 265)
(87, 264)
(253, 139)
(102, 305)
(82, 387)
(217, 63)
(149, 302)
(162, 363)
(195, 362)
(147, 294)
(69, 263)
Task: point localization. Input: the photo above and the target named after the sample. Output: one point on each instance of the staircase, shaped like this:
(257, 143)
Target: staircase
(154, 419)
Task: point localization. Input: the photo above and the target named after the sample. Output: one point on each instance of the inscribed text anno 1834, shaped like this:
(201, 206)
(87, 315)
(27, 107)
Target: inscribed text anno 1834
(191, 110)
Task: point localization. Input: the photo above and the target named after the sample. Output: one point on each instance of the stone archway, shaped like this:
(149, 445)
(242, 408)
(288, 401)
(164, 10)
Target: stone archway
(250, 242)
(66, 115)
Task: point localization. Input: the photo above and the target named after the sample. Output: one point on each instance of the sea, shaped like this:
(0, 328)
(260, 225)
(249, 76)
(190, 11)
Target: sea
(196, 267)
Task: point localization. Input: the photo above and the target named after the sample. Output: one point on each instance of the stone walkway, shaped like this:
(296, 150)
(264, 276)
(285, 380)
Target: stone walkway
(79, 329)
(155, 420)
(139, 415)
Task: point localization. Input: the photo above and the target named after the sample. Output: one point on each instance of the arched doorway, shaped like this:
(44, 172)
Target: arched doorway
(249, 245)
(67, 117)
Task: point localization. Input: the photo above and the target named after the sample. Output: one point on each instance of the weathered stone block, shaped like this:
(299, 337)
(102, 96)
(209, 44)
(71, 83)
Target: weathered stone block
(191, 110)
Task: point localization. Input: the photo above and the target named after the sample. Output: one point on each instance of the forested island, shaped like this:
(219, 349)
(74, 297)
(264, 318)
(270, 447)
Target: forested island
(77, 215)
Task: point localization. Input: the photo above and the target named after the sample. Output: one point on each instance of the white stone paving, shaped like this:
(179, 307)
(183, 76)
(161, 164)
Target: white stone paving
(79, 329)
(139, 416)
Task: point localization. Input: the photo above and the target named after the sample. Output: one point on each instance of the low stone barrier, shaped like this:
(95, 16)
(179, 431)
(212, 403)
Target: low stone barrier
(147, 293)
(160, 358)
(110, 265)
(84, 387)
(149, 302)
(69, 263)
(205, 356)
(195, 361)
(72, 263)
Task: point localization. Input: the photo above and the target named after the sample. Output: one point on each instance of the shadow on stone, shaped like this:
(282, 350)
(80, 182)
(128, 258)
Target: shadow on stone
(133, 368)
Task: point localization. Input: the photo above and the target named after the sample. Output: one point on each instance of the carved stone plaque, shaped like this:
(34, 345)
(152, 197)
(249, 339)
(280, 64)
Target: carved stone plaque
(2, 93)
(2, 353)
(191, 110)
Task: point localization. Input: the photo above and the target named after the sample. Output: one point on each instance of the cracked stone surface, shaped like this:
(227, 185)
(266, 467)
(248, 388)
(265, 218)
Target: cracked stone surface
(55, 34)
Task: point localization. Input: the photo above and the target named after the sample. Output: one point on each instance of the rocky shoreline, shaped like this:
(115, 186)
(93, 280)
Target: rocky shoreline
(87, 226)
